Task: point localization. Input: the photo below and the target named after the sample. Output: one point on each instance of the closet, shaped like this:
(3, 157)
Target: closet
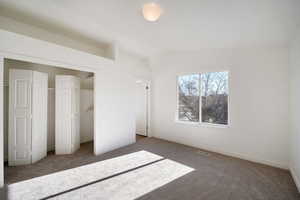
(27, 128)
(67, 114)
(48, 110)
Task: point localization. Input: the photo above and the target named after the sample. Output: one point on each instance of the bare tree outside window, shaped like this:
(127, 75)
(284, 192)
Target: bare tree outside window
(214, 97)
(189, 97)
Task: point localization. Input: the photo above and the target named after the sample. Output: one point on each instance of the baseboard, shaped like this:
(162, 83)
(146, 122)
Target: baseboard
(142, 135)
(295, 177)
(233, 154)
(52, 148)
(256, 160)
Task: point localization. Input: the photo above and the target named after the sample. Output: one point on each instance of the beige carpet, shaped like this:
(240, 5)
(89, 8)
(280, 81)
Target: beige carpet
(149, 169)
(125, 177)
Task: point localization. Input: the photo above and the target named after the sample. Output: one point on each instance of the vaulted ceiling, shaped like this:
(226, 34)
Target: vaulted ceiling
(185, 25)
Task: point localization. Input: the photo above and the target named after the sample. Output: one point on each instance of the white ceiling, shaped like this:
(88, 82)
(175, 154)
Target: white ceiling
(186, 25)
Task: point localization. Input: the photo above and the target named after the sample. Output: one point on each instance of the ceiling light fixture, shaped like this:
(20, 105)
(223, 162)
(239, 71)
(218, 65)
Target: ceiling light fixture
(152, 11)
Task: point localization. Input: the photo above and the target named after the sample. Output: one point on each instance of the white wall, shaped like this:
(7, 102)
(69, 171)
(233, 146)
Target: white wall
(295, 109)
(258, 105)
(116, 101)
(86, 115)
(137, 67)
(51, 120)
(114, 84)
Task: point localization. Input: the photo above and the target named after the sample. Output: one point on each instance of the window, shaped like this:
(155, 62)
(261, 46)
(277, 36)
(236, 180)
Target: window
(213, 89)
(189, 97)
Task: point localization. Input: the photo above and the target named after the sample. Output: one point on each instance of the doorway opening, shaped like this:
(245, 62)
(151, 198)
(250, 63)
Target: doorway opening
(142, 109)
(34, 106)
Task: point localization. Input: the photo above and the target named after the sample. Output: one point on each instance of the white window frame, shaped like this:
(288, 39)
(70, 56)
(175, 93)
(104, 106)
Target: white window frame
(200, 123)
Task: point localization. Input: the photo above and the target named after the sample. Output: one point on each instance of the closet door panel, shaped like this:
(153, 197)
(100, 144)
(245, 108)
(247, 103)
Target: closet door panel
(67, 135)
(63, 127)
(20, 117)
(75, 115)
(39, 116)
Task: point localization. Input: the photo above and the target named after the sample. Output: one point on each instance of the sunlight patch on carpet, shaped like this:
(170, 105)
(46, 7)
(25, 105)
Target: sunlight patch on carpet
(124, 177)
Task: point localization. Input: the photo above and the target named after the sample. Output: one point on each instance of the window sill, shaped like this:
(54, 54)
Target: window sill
(203, 124)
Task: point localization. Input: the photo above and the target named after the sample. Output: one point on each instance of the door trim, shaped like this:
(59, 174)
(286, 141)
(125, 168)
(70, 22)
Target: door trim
(148, 106)
(1, 121)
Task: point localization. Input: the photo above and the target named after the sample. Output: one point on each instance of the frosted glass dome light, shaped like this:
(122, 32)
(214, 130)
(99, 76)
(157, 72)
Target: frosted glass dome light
(152, 12)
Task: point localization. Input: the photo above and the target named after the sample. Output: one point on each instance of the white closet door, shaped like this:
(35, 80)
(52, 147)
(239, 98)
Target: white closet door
(67, 112)
(20, 117)
(141, 109)
(62, 115)
(75, 121)
(39, 115)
